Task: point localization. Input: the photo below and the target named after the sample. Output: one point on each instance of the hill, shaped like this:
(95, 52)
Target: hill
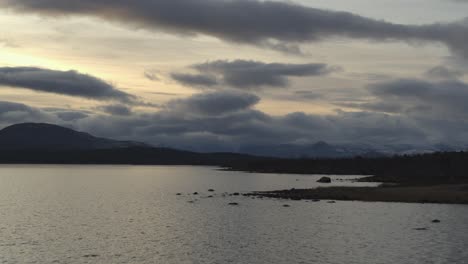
(37, 143)
(52, 137)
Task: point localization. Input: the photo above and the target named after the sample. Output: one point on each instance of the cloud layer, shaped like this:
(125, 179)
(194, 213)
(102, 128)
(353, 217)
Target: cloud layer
(11, 113)
(213, 103)
(404, 112)
(196, 80)
(225, 115)
(440, 99)
(69, 83)
(247, 74)
(267, 23)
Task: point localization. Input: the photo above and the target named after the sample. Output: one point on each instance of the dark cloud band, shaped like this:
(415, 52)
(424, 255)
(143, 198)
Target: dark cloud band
(201, 80)
(268, 23)
(11, 113)
(69, 83)
(213, 103)
(116, 109)
(430, 99)
(246, 74)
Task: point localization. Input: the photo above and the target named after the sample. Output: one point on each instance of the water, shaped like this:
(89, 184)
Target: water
(128, 214)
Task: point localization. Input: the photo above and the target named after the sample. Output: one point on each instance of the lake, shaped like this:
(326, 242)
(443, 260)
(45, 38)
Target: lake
(131, 214)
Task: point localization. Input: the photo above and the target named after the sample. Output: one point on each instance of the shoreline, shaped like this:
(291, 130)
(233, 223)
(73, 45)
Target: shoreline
(437, 194)
(393, 189)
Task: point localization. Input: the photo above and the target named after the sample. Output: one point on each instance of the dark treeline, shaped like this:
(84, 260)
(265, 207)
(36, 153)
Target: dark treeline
(424, 168)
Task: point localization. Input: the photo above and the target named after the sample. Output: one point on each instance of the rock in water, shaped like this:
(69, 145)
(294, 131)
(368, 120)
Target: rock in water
(325, 180)
(420, 229)
(233, 204)
(436, 221)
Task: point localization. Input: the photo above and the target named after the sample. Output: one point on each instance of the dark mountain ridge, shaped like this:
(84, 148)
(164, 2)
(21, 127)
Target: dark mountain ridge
(53, 137)
(319, 149)
(39, 143)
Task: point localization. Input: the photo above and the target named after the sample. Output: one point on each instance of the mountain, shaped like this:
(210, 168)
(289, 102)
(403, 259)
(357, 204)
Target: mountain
(53, 137)
(38, 136)
(320, 149)
(35, 143)
(323, 149)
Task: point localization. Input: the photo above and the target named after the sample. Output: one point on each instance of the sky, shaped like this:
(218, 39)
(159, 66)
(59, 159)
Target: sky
(226, 75)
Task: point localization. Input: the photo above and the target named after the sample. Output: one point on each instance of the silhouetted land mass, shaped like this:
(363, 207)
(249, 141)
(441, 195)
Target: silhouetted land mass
(35, 143)
(425, 178)
(449, 194)
(49, 144)
(446, 167)
(39, 136)
(130, 156)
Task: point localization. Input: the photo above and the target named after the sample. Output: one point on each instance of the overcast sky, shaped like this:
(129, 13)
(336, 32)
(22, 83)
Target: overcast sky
(217, 75)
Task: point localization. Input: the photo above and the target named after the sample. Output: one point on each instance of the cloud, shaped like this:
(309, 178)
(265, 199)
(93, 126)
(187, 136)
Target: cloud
(443, 73)
(379, 106)
(247, 74)
(71, 83)
(226, 121)
(67, 114)
(71, 115)
(278, 25)
(238, 130)
(438, 99)
(195, 79)
(307, 95)
(11, 113)
(116, 109)
(213, 103)
(151, 75)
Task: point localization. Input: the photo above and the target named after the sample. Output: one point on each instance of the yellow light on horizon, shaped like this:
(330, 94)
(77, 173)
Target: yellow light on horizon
(13, 59)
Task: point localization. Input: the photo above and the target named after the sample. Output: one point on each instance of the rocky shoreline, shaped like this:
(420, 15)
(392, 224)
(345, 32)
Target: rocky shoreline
(441, 194)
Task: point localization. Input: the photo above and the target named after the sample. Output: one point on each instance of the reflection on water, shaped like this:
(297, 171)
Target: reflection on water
(127, 214)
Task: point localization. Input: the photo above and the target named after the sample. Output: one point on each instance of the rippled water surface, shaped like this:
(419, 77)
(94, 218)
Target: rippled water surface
(128, 214)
